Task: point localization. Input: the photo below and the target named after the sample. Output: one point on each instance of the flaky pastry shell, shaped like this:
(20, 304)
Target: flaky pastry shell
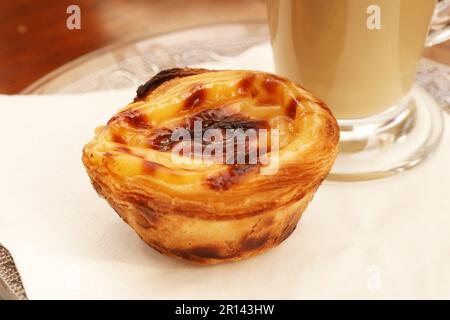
(214, 212)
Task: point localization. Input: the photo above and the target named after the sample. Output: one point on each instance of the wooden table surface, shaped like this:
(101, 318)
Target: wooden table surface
(34, 39)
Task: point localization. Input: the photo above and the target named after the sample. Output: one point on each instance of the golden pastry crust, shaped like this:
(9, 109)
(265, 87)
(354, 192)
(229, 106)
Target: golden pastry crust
(217, 212)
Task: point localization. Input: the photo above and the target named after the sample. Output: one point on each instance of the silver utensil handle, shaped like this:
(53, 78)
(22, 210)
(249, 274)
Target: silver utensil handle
(11, 287)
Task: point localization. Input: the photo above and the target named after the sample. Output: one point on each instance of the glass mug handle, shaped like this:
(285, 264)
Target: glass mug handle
(440, 24)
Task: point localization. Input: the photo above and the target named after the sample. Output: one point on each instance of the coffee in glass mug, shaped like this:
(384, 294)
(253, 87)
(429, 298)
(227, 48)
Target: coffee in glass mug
(360, 57)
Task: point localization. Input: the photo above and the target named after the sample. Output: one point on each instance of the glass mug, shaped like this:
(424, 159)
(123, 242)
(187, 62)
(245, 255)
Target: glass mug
(360, 57)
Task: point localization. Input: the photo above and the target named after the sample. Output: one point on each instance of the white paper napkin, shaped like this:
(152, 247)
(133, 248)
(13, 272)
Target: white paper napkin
(388, 238)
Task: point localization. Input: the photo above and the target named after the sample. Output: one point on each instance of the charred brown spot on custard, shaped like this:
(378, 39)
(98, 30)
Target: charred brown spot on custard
(164, 76)
(149, 167)
(134, 118)
(124, 149)
(196, 97)
(161, 140)
(272, 84)
(117, 138)
(291, 109)
(230, 177)
(220, 119)
(270, 91)
(253, 243)
(246, 86)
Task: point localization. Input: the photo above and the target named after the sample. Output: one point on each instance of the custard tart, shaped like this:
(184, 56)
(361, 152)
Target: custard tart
(192, 198)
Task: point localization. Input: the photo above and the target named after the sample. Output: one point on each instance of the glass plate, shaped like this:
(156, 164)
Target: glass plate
(126, 65)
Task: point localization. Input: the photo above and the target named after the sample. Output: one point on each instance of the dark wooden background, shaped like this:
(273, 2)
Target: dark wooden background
(34, 39)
